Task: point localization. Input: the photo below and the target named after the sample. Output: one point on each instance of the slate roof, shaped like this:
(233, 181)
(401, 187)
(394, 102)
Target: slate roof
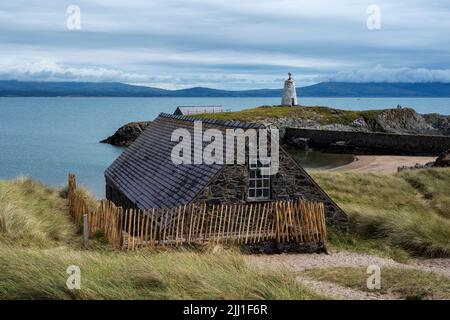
(145, 173)
(187, 110)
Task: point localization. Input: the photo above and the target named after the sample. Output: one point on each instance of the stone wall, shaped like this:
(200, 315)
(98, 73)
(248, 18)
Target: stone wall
(230, 186)
(370, 143)
(291, 181)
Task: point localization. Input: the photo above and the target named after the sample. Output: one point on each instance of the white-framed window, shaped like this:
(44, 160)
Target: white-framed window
(259, 180)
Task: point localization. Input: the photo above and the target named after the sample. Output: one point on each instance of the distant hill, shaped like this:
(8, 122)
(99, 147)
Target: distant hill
(348, 89)
(81, 89)
(116, 89)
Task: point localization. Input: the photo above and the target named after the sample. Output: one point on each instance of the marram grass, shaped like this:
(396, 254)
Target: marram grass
(36, 274)
(393, 209)
(32, 214)
(38, 241)
(398, 213)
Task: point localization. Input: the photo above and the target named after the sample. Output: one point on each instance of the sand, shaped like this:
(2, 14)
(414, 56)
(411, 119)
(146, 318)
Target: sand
(383, 164)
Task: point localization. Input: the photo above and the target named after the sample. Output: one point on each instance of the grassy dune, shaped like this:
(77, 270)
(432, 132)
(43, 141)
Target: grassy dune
(407, 211)
(33, 214)
(390, 214)
(38, 242)
(34, 274)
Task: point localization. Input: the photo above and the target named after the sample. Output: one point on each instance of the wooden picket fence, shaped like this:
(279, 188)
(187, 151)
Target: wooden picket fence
(281, 221)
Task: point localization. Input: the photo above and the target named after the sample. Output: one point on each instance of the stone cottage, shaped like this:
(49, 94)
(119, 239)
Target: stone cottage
(144, 175)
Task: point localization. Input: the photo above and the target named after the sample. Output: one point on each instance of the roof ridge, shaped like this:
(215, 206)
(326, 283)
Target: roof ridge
(225, 123)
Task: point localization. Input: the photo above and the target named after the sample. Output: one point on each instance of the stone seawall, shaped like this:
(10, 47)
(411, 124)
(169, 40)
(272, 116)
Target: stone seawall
(368, 143)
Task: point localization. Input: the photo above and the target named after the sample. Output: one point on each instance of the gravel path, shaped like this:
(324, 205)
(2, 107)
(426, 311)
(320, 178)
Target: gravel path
(339, 292)
(299, 262)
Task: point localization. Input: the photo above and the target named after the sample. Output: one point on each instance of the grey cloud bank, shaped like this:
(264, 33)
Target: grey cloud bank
(225, 44)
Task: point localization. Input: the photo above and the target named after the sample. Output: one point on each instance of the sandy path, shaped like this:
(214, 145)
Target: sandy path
(300, 262)
(336, 291)
(384, 164)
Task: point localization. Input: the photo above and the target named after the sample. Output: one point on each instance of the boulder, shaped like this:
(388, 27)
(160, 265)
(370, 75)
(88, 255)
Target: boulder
(439, 122)
(360, 125)
(443, 160)
(300, 143)
(401, 121)
(126, 134)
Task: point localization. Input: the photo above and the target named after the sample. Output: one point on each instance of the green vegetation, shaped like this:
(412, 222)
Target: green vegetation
(322, 115)
(31, 213)
(391, 213)
(30, 273)
(402, 283)
(433, 186)
(38, 242)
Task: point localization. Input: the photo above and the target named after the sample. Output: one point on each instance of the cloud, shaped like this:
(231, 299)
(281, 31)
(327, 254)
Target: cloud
(230, 44)
(382, 74)
(46, 70)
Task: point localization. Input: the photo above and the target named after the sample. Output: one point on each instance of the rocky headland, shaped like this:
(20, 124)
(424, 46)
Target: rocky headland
(126, 134)
(396, 121)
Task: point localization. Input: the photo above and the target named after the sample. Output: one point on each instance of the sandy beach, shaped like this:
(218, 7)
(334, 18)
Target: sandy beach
(383, 164)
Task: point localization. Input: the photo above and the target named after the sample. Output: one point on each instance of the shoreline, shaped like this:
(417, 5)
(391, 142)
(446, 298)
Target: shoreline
(381, 164)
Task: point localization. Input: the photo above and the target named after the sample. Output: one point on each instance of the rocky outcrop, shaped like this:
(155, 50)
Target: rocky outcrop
(397, 121)
(126, 134)
(402, 121)
(439, 122)
(443, 160)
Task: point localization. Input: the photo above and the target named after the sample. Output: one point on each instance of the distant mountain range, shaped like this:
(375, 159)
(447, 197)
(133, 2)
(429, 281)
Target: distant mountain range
(12, 88)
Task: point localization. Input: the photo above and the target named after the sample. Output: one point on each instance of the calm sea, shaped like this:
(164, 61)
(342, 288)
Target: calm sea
(47, 138)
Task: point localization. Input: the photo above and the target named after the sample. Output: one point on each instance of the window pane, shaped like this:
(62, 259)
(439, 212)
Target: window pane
(259, 180)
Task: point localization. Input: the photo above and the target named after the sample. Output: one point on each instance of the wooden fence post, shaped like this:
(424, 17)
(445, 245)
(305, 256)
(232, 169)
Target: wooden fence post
(85, 231)
(282, 221)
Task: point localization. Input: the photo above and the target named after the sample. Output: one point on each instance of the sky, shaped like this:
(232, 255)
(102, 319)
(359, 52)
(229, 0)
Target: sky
(225, 44)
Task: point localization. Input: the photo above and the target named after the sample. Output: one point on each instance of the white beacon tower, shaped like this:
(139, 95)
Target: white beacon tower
(290, 93)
